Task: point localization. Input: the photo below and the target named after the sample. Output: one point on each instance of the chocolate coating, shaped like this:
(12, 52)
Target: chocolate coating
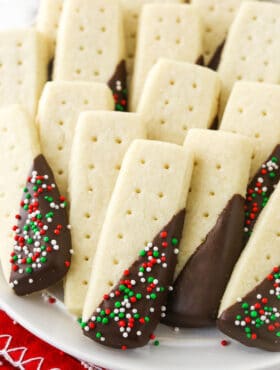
(54, 262)
(265, 180)
(118, 85)
(216, 58)
(200, 61)
(199, 288)
(267, 336)
(150, 309)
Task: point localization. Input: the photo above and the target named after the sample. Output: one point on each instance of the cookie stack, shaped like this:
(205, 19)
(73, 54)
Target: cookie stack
(140, 169)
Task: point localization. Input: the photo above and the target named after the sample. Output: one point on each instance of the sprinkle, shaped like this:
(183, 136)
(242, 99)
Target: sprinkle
(224, 343)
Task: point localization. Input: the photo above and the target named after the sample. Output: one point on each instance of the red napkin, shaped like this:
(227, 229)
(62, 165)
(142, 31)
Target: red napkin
(20, 349)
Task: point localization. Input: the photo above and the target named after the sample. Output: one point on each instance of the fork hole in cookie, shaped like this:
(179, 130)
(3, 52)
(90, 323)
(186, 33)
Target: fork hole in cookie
(178, 41)
(116, 261)
(264, 113)
(162, 122)
(205, 214)
(194, 85)
(185, 128)
(103, 29)
(87, 215)
(190, 108)
(60, 172)
(99, 51)
(59, 148)
(154, 218)
(110, 283)
(166, 166)
(91, 166)
(160, 195)
(117, 167)
(86, 258)
(218, 166)
(268, 257)
(211, 193)
(257, 135)
(157, 37)
(90, 190)
(60, 123)
(137, 191)
(278, 234)
(96, 73)
(118, 140)
(166, 101)
(240, 110)
(142, 161)
(171, 82)
(94, 139)
(87, 236)
(129, 212)
(257, 279)
(178, 20)
(120, 236)
(85, 282)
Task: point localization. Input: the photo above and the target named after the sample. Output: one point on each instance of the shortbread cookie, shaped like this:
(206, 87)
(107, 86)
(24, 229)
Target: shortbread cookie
(168, 31)
(48, 20)
(41, 254)
(131, 13)
(60, 105)
(138, 246)
(90, 45)
(23, 68)
(213, 232)
(253, 110)
(176, 97)
(250, 311)
(19, 145)
(252, 48)
(101, 140)
(217, 16)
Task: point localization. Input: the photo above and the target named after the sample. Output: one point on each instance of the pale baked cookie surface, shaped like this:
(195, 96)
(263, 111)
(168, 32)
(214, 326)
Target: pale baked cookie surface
(101, 140)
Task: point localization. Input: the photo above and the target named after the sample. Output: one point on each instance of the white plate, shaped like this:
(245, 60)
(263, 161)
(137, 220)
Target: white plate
(188, 349)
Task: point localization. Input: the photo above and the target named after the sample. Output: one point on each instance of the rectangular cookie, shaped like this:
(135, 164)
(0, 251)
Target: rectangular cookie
(19, 145)
(217, 16)
(138, 245)
(253, 110)
(23, 68)
(59, 108)
(131, 13)
(213, 232)
(101, 140)
(249, 310)
(176, 97)
(90, 45)
(165, 31)
(48, 21)
(252, 48)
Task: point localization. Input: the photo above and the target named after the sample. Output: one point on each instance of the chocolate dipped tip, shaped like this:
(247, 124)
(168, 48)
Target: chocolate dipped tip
(129, 314)
(216, 58)
(259, 191)
(200, 61)
(41, 254)
(198, 290)
(118, 85)
(255, 320)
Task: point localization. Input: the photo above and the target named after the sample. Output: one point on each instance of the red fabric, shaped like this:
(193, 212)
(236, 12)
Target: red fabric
(25, 346)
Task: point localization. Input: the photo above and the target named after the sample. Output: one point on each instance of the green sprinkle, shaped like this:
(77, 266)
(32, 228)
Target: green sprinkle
(254, 195)
(112, 315)
(155, 254)
(272, 175)
(35, 188)
(245, 305)
(174, 241)
(247, 330)
(98, 319)
(131, 294)
(98, 335)
(29, 240)
(272, 317)
(29, 260)
(147, 319)
(142, 253)
(254, 314)
(43, 248)
(138, 296)
(15, 257)
(121, 287)
(25, 227)
(238, 317)
(43, 259)
(142, 269)
(121, 315)
(79, 320)
(162, 289)
(105, 320)
(278, 334)
(83, 325)
(248, 336)
(38, 182)
(136, 316)
(118, 304)
(153, 296)
(25, 207)
(156, 343)
(274, 159)
(39, 216)
(102, 313)
(28, 196)
(150, 279)
(25, 190)
(46, 238)
(28, 270)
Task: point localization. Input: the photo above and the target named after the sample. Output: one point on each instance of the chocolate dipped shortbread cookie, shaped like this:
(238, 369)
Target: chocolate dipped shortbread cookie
(250, 310)
(138, 246)
(213, 233)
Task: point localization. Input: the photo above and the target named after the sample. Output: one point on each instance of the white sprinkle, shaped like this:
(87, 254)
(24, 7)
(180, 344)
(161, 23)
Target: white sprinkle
(239, 299)
(170, 288)
(164, 265)
(271, 291)
(152, 309)
(163, 314)
(259, 296)
(121, 329)
(125, 335)
(143, 280)
(237, 322)
(138, 333)
(163, 308)
(176, 329)
(93, 318)
(86, 328)
(102, 339)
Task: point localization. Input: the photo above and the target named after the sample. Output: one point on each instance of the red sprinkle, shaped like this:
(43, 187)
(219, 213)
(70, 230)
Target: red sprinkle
(224, 343)
(52, 300)
(163, 234)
